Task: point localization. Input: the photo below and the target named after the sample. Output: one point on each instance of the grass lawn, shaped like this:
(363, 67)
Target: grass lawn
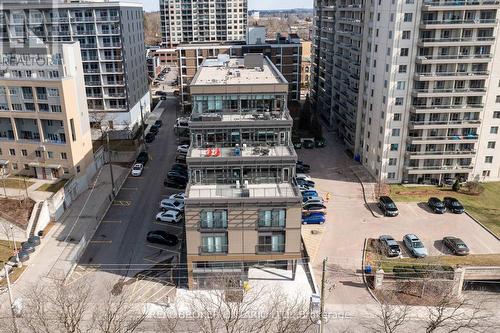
(18, 183)
(484, 207)
(5, 253)
(54, 187)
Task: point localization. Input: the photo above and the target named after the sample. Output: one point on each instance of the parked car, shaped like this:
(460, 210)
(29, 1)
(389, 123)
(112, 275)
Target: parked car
(453, 205)
(175, 182)
(391, 247)
(23, 256)
(150, 137)
(314, 218)
(309, 193)
(436, 205)
(304, 182)
(313, 208)
(296, 144)
(456, 245)
(137, 169)
(142, 158)
(179, 197)
(320, 142)
(302, 166)
(182, 122)
(178, 166)
(303, 176)
(27, 247)
(306, 198)
(178, 174)
(183, 149)
(312, 200)
(171, 216)
(153, 129)
(160, 93)
(305, 187)
(307, 143)
(168, 204)
(415, 246)
(448, 181)
(162, 237)
(158, 123)
(387, 206)
(180, 159)
(163, 98)
(35, 240)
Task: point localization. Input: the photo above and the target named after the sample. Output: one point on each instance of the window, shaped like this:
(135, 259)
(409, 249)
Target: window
(214, 244)
(24, 152)
(53, 92)
(393, 161)
(12, 152)
(55, 108)
(272, 218)
(497, 99)
(388, 51)
(38, 153)
(408, 17)
(398, 101)
(394, 146)
(26, 167)
(77, 169)
(496, 114)
(403, 52)
(406, 34)
(395, 131)
(488, 159)
(401, 85)
(14, 166)
(64, 156)
(213, 219)
(486, 173)
(50, 154)
(397, 117)
(402, 68)
(494, 129)
(271, 242)
(72, 126)
(491, 144)
(391, 175)
(17, 107)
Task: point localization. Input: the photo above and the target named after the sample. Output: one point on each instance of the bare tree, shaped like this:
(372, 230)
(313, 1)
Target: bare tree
(56, 307)
(391, 318)
(454, 315)
(117, 315)
(169, 322)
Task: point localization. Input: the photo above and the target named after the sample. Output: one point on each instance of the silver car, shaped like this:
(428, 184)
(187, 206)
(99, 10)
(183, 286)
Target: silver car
(415, 246)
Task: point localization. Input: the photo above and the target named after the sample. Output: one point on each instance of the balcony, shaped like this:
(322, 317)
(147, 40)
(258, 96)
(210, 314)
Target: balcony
(212, 250)
(430, 92)
(251, 153)
(244, 116)
(459, 4)
(455, 41)
(112, 45)
(419, 155)
(267, 191)
(446, 108)
(470, 138)
(471, 75)
(450, 24)
(437, 124)
(455, 58)
(438, 169)
(269, 248)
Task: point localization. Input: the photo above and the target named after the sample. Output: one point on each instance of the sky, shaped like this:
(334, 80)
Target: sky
(153, 5)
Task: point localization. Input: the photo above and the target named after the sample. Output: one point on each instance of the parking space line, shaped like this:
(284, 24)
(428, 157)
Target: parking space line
(130, 188)
(110, 221)
(160, 248)
(122, 203)
(167, 225)
(101, 241)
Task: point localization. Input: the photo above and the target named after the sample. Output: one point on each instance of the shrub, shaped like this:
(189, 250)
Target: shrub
(456, 186)
(473, 188)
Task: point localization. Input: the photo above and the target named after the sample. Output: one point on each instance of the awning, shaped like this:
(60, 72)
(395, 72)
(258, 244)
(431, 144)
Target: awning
(4, 162)
(44, 165)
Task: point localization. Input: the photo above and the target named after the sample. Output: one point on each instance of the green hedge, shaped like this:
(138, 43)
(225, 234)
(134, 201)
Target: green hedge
(423, 271)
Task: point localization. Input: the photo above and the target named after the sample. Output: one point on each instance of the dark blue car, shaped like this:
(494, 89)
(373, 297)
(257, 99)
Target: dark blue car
(314, 218)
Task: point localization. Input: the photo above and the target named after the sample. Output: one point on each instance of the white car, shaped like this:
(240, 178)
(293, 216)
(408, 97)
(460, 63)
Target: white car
(167, 204)
(171, 216)
(315, 200)
(303, 176)
(137, 169)
(179, 197)
(183, 149)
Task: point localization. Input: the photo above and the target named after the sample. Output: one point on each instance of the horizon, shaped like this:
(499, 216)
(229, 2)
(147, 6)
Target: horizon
(154, 5)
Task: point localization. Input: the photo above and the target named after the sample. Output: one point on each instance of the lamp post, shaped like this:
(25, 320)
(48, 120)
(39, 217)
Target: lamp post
(11, 299)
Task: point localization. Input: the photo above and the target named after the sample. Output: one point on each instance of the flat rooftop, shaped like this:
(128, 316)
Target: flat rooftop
(249, 151)
(228, 191)
(235, 115)
(233, 71)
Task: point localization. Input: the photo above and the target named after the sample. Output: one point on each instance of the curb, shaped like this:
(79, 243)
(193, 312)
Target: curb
(483, 226)
(363, 272)
(364, 194)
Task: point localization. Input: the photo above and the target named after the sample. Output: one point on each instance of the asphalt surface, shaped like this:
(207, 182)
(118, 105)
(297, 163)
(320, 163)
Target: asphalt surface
(119, 245)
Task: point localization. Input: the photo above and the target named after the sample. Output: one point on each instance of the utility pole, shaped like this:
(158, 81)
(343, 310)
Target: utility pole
(19, 263)
(322, 299)
(11, 299)
(110, 165)
(143, 128)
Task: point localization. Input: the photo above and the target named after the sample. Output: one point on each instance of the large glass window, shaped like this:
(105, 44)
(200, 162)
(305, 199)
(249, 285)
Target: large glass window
(213, 219)
(214, 244)
(272, 218)
(271, 242)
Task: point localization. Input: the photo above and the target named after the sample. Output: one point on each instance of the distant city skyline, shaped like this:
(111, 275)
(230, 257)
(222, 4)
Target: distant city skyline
(154, 5)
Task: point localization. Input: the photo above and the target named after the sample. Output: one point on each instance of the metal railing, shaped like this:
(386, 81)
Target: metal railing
(470, 73)
(445, 122)
(432, 107)
(443, 152)
(212, 250)
(268, 248)
(460, 2)
(446, 137)
(448, 90)
(207, 191)
(462, 21)
(454, 56)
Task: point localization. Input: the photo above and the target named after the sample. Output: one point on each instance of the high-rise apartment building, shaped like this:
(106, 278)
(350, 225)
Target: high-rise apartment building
(284, 52)
(412, 87)
(192, 21)
(44, 122)
(242, 208)
(111, 36)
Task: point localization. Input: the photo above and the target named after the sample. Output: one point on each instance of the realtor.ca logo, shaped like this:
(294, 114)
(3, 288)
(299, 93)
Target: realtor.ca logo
(27, 60)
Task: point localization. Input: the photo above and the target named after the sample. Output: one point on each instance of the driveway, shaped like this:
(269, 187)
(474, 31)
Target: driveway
(119, 249)
(350, 222)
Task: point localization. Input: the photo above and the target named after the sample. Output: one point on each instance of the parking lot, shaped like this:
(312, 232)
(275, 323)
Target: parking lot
(119, 251)
(349, 222)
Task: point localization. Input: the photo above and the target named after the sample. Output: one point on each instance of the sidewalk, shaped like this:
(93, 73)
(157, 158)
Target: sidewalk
(17, 193)
(59, 246)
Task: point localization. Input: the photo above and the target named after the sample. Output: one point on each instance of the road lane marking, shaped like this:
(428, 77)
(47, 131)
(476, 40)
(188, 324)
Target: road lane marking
(130, 188)
(122, 203)
(117, 221)
(101, 241)
(163, 249)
